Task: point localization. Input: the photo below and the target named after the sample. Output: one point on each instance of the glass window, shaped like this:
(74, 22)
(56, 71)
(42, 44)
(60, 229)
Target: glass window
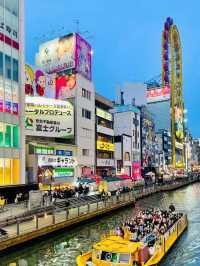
(15, 70)
(1, 171)
(7, 172)
(16, 171)
(1, 134)
(8, 136)
(8, 67)
(15, 136)
(1, 63)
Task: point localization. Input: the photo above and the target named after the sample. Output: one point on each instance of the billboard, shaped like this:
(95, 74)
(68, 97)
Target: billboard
(57, 55)
(49, 117)
(64, 53)
(158, 94)
(39, 83)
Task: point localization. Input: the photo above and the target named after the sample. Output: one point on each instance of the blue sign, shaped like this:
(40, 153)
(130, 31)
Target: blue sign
(64, 153)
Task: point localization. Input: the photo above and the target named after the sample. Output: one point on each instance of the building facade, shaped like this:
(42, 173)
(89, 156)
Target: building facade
(12, 158)
(105, 147)
(60, 113)
(164, 140)
(127, 123)
(148, 139)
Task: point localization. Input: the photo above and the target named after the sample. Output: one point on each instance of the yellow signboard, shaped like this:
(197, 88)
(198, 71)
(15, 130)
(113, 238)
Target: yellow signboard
(105, 146)
(104, 114)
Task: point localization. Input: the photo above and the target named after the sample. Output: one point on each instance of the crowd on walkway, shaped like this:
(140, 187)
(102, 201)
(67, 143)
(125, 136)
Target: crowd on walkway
(150, 221)
(68, 192)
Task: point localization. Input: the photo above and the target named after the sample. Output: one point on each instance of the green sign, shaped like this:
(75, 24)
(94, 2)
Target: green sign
(63, 172)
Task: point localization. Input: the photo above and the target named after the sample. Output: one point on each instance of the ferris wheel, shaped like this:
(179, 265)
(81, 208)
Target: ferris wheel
(172, 78)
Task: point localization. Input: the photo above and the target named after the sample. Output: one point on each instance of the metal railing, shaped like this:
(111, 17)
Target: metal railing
(34, 222)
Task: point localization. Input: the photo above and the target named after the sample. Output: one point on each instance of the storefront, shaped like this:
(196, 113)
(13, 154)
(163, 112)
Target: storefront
(51, 165)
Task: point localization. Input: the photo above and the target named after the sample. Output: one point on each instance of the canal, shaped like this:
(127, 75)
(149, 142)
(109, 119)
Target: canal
(62, 249)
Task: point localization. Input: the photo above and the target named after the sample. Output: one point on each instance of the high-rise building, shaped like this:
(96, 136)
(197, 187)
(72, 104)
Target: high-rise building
(60, 113)
(127, 138)
(12, 155)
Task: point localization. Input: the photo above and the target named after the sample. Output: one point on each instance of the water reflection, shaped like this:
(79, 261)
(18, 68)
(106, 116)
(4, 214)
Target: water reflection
(62, 249)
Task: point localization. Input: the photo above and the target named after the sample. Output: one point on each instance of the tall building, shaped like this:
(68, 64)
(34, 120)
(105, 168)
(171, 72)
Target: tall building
(148, 143)
(127, 137)
(12, 155)
(105, 147)
(60, 113)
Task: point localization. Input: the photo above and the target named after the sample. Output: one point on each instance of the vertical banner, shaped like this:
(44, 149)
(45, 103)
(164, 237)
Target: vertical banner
(1, 95)
(8, 97)
(15, 99)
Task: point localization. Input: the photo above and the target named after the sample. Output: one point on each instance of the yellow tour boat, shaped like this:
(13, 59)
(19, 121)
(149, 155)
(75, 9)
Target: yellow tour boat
(115, 250)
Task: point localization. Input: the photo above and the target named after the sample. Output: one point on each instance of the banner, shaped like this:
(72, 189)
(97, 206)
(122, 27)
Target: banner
(49, 117)
(56, 161)
(57, 55)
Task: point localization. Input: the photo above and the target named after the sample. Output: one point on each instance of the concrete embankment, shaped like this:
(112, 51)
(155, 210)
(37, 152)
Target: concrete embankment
(48, 223)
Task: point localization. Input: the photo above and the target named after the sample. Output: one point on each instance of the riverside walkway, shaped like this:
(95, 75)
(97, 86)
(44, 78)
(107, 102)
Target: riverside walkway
(30, 227)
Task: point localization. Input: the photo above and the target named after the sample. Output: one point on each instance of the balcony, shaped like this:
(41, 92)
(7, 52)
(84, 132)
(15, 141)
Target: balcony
(105, 130)
(106, 162)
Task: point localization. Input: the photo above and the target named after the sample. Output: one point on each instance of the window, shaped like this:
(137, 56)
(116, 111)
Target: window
(86, 113)
(8, 67)
(86, 132)
(127, 156)
(86, 94)
(15, 70)
(8, 136)
(133, 133)
(85, 152)
(15, 136)
(1, 63)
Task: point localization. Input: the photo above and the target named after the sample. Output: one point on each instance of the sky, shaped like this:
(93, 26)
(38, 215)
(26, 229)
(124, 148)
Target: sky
(126, 40)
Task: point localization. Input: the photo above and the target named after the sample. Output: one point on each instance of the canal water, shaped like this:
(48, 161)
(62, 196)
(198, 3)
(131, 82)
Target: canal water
(62, 249)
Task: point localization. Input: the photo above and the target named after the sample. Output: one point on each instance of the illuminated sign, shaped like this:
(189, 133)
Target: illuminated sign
(39, 83)
(179, 145)
(56, 161)
(49, 117)
(67, 52)
(105, 146)
(158, 94)
(104, 114)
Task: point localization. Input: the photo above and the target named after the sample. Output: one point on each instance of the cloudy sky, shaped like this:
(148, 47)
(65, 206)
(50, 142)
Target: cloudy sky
(126, 39)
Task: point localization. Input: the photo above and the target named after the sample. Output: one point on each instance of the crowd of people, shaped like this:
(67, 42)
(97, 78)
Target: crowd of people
(150, 222)
(68, 192)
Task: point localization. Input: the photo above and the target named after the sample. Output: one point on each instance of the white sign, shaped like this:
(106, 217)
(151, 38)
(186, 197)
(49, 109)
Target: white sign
(105, 162)
(49, 117)
(56, 161)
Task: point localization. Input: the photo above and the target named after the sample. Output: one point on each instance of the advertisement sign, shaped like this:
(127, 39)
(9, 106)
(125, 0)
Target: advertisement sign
(56, 161)
(15, 99)
(1, 95)
(106, 146)
(65, 86)
(158, 94)
(64, 53)
(57, 55)
(8, 97)
(83, 57)
(49, 117)
(104, 114)
(63, 172)
(136, 170)
(39, 83)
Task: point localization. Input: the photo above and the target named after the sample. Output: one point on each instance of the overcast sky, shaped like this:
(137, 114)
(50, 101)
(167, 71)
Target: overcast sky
(126, 39)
